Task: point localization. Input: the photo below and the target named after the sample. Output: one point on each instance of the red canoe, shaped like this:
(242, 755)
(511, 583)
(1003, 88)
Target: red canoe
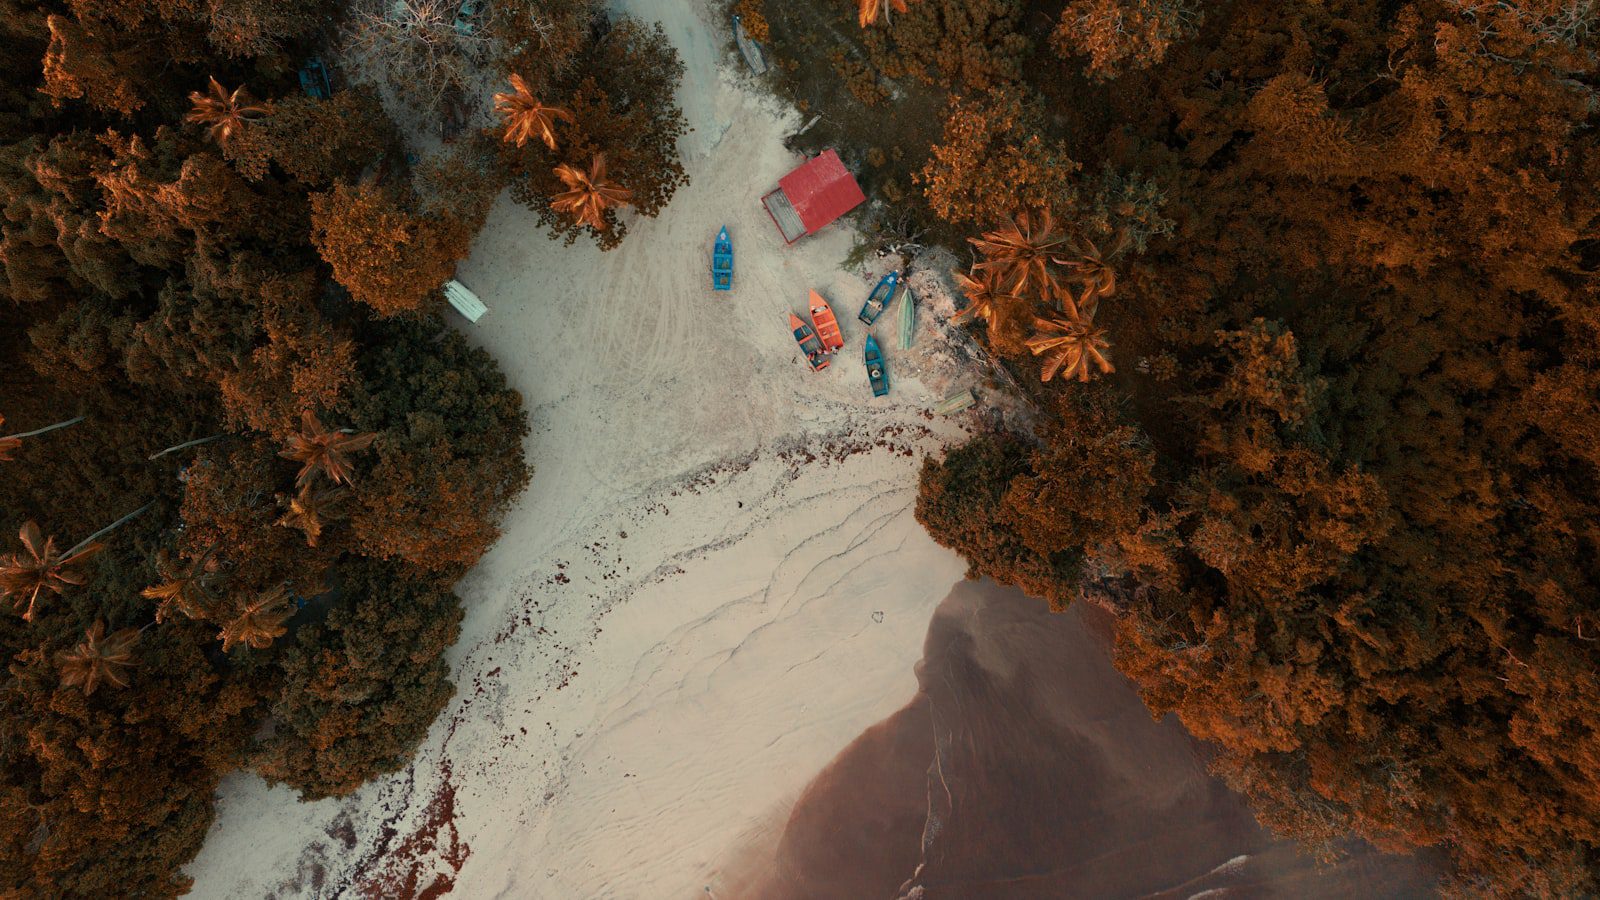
(827, 326)
(816, 357)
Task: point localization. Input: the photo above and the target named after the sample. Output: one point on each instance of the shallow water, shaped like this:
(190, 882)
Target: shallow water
(1027, 766)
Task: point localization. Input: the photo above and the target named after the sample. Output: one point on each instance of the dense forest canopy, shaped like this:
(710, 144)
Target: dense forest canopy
(1312, 286)
(1309, 283)
(243, 455)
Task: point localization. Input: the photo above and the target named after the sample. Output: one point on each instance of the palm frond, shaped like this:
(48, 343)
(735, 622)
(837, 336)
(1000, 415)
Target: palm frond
(321, 451)
(589, 194)
(224, 113)
(1072, 347)
(39, 567)
(260, 622)
(525, 117)
(100, 658)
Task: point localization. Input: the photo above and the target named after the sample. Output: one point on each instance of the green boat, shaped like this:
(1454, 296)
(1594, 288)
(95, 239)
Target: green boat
(908, 317)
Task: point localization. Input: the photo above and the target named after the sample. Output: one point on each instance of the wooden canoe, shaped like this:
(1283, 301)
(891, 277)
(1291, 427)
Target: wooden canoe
(826, 323)
(907, 318)
(880, 298)
(877, 372)
(722, 262)
(810, 347)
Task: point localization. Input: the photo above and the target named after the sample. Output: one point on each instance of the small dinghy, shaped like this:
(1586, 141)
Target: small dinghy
(722, 262)
(880, 298)
(815, 356)
(877, 372)
(826, 323)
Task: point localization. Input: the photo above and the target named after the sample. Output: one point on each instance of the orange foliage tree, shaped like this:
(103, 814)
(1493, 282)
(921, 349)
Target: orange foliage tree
(1120, 35)
(1363, 561)
(385, 252)
(993, 160)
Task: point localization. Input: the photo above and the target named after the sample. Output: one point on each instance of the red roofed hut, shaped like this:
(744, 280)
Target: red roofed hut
(810, 197)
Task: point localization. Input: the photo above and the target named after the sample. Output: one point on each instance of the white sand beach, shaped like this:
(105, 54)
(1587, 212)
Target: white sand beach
(713, 585)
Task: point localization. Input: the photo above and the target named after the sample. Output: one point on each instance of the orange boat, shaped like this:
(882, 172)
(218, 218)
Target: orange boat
(827, 325)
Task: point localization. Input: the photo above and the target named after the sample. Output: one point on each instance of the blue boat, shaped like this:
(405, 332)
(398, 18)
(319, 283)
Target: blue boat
(877, 372)
(722, 262)
(314, 79)
(880, 298)
(810, 345)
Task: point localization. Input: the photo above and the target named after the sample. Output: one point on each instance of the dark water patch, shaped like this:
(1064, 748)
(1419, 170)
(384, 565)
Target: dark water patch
(1026, 767)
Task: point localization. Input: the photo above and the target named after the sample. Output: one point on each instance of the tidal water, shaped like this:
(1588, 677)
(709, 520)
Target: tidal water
(1028, 767)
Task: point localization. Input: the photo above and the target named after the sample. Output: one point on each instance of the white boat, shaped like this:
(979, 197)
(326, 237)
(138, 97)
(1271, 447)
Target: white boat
(464, 300)
(750, 49)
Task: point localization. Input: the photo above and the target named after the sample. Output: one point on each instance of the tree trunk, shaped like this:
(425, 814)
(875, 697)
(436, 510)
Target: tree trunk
(47, 428)
(194, 443)
(106, 530)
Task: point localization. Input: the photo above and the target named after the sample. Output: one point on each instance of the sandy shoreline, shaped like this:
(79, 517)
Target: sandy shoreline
(1027, 767)
(714, 583)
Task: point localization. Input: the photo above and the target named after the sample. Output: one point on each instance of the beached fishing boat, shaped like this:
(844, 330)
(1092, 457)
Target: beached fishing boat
(826, 323)
(750, 48)
(956, 402)
(880, 298)
(877, 372)
(908, 318)
(464, 300)
(810, 347)
(722, 262)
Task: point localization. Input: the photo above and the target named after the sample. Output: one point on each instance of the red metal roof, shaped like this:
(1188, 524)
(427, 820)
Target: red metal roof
(821, 190)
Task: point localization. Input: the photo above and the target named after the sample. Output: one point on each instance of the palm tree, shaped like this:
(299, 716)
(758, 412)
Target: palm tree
(871, 9)
(225, 113)
(1074, 347)
(39, 567)
(526, 117)
(589, 193)
(188, 589)
(99, 658)
(260, 622)
(309, 509)
(1020, 253)
(9, 443)
(322, 451)
(984, 298)
(1091, 268)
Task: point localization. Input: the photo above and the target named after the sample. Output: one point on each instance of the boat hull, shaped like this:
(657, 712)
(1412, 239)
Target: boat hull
(907, 319)
(826, 324)
(810, 347)
(877, 371)
(880, 298)
(722, 262)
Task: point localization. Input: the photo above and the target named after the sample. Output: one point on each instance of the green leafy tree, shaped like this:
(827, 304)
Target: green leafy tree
(362, 687)
(622, 95)
(448, 456)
